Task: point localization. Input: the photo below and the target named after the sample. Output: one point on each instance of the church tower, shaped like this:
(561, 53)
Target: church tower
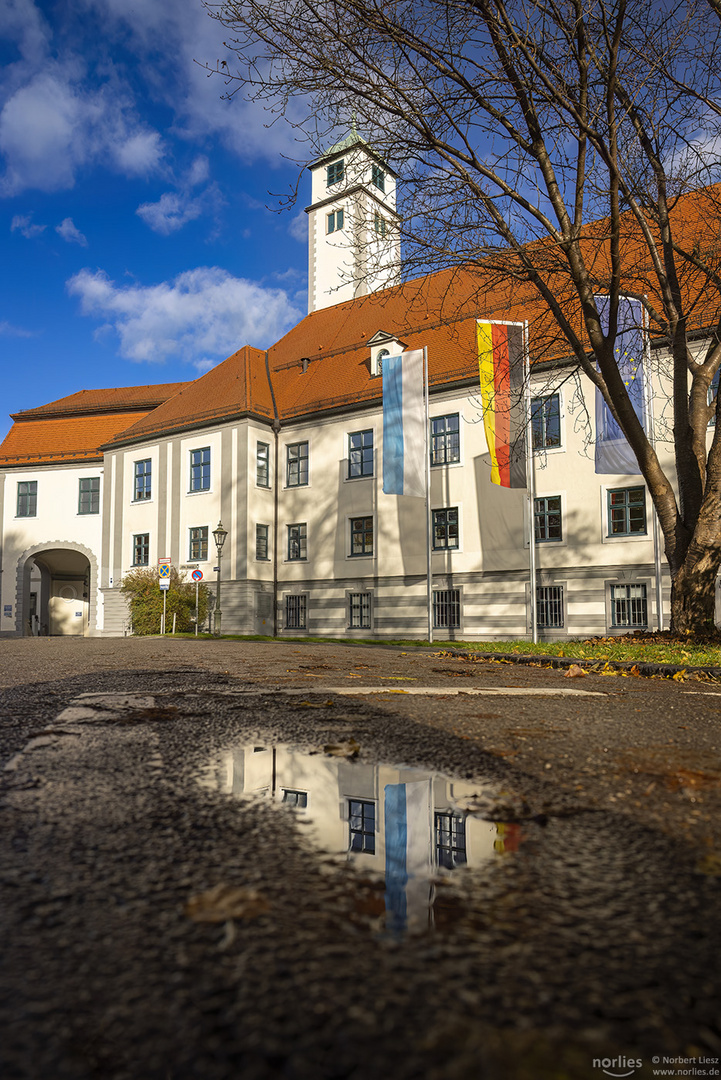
(354, 243)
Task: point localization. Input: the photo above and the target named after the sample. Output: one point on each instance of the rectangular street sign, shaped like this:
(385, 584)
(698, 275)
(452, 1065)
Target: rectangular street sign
(164, 583)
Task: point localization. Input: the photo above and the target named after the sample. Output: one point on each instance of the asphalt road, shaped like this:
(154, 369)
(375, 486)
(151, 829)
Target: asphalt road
(589, 935)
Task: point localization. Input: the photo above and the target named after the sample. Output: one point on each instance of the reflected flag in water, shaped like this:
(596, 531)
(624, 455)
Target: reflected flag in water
(404, 443)
(408, 851)
(501, 368)
(613, 453)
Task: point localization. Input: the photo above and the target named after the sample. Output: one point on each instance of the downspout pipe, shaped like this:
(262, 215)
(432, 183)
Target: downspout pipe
(276, 433)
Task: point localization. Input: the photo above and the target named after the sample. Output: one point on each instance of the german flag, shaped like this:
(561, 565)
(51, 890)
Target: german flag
(501, 368)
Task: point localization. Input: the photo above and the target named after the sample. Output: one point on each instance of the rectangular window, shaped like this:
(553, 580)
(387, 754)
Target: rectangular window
(549, 607)
(262, 465)
(143, 480)
(628, 606)
(627, 512)
(546, 421)
(445, 529)
(295, 612)
(297, 542)
(447, 609)
(297, 464)
(450, 839)
(360, 454)
(362, 826)
(359, 611)
(547, 519)
(200, 469)
(295, 798)
(334, 173)
(261, 542)
(198, 544)
(379, 223)
(334, 221)
(27, 498)
(361, 536)
(89, 496)
(445, 439)
(141, 549)
(379, 178)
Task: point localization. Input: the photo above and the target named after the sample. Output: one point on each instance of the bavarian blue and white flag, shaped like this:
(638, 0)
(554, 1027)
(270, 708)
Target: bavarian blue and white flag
(404, 462)
(408, 839)
(613, 454)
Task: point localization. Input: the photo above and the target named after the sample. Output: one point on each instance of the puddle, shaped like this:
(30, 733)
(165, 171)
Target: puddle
(406, 831)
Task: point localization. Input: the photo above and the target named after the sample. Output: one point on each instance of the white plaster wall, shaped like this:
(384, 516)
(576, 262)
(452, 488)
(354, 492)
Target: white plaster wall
(201, 507)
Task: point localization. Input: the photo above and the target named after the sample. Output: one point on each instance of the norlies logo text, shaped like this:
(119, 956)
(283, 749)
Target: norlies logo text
(617, 1064)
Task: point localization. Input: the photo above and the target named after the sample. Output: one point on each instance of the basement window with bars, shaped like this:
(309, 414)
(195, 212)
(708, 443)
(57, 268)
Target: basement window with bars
(629, 606)
(359, 613)
(549, 607)
(447, 609)
(295, 612)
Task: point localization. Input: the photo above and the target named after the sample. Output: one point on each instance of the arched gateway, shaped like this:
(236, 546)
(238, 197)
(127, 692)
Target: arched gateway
(57, 590)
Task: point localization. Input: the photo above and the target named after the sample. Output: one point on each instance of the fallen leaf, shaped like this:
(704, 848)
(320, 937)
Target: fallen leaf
(574, 672)
(224, 902)
(314, 704)
(679, 676)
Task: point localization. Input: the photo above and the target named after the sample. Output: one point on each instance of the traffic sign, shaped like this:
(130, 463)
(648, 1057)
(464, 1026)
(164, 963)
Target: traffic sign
(164, 570)
(164, 583)
(197, 575)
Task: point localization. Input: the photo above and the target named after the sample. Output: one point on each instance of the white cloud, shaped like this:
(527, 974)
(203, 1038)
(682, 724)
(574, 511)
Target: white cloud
(140, 154)
(8, 330)
(298, 227)
(202, 313)
(70, 232)
(24, 223)
(170, 212)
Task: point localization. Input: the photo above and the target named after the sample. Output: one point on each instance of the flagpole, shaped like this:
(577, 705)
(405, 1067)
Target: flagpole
(658, 571)
(531, 486)
(429, 572)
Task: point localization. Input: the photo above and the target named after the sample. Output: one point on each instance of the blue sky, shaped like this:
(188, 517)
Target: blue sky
(140, 243)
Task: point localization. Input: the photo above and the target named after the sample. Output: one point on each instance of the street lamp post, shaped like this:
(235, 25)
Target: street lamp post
(219, 536)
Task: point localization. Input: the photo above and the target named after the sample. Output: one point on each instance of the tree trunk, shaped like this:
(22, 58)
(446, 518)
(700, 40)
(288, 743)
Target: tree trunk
(693, 594)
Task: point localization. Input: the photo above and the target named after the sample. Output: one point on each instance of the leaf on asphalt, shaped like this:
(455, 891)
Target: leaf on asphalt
(679, 676)
(349, 749)
(314, 704)
(574, 672)
(400, 678)
(224, 902)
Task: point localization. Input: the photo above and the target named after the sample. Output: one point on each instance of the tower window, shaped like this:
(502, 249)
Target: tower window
(380, 224)
(334, 173)
(379, 178)
(334, 221)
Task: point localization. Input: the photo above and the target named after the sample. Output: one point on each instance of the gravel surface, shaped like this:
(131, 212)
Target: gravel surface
(599, 936)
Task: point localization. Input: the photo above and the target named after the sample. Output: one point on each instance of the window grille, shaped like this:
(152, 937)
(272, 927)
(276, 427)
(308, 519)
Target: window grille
(143, 480)
(361, 536)
(200, 469)
(547, 519)
(295, 612)
(549, 607)
(362, 825)
(450, 839)
(629, 607)
(445, 529)
(297, 464)
(360, 611)
(198, 544)
(141, 549)
(89, 496)
(445, 439)
(546, 421)
(360, 454)
(27, 498)
(262, 476)
(627, 511)
(447, 609)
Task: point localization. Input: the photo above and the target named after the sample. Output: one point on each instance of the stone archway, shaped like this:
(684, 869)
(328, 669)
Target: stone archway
(57, 590)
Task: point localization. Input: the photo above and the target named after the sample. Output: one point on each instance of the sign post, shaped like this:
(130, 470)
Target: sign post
(164, 582)
(197, 576)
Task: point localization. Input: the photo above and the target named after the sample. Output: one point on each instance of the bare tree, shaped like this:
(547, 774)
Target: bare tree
(570, 147)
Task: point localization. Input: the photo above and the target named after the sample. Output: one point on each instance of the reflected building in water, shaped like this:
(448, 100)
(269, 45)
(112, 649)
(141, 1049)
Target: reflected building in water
(403, 824)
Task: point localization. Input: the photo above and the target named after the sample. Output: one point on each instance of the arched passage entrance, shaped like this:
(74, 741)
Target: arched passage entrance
(55, 592)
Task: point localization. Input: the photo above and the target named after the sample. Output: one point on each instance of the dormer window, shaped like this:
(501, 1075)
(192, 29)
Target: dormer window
(379, 178)
(334, 221)
(334, 173)
(377, 362)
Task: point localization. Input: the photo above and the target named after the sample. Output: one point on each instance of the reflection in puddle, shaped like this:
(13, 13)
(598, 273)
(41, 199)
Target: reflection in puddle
(404, 826)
